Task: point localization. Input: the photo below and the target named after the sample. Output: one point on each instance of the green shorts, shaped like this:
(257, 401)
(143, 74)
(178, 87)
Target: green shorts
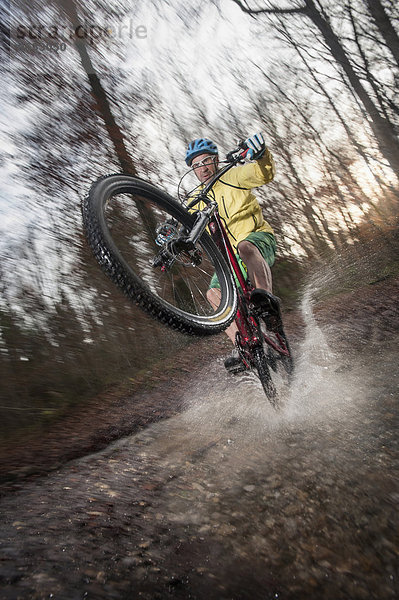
(265, 243)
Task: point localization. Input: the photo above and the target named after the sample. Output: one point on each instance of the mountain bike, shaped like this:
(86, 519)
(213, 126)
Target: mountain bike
(163, 253)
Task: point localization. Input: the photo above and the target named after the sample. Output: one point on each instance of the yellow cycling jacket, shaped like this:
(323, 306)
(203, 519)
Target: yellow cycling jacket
(238, 206)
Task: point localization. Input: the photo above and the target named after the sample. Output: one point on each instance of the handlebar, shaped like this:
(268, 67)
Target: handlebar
(241, 150)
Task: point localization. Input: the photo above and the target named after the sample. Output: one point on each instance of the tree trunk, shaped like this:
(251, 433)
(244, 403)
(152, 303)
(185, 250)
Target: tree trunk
(105, 111)
(99, 94)
(385, 27)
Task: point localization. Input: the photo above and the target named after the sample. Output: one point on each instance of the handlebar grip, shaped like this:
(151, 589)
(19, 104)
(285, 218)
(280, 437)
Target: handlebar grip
(238, 154)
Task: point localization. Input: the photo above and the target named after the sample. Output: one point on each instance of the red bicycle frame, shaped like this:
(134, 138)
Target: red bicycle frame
(247, 325)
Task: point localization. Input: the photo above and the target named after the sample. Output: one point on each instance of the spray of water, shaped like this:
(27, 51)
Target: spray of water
(323, 388)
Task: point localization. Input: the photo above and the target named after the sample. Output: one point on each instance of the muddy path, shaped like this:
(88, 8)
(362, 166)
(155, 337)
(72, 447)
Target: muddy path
(229, 499)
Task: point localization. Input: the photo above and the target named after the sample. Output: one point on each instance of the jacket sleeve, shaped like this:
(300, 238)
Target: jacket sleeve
(253, 174)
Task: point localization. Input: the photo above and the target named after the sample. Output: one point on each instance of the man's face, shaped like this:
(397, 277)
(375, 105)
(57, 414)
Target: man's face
(205, 165)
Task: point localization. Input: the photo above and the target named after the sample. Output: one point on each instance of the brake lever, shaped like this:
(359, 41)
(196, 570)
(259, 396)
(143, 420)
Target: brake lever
(242, 149)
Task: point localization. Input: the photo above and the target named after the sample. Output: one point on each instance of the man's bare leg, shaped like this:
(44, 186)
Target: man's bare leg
(214, 296)
(259, 272)
(260, 275)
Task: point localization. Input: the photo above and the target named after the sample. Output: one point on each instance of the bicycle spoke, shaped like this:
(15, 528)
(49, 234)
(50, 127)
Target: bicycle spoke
(193, 297)
(138, 235)
(181, 285)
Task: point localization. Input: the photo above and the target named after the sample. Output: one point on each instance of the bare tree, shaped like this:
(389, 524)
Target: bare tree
(98, 91)
(382, 128)
(385, 27)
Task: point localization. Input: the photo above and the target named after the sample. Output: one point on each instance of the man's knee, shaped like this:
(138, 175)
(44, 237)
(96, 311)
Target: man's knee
(246, 250)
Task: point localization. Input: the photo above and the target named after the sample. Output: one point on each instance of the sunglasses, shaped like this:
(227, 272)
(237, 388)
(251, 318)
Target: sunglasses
(206, 162)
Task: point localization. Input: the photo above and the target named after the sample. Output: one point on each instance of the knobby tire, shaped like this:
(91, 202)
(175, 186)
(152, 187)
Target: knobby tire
(262, 368)
(141, 283)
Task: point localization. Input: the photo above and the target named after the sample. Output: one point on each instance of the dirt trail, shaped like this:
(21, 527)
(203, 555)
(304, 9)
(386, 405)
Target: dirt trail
(230, 500)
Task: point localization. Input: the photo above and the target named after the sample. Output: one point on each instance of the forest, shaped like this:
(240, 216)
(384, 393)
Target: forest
(100, 87)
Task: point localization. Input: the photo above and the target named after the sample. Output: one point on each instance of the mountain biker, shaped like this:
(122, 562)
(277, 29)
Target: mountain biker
(250, 235)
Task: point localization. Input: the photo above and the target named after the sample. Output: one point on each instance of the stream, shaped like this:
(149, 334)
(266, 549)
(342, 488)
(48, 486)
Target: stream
(229, 499)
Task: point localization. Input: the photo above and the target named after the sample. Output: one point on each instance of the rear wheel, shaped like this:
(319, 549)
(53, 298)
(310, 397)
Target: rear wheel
(135, 231)
(261, 358)
(279, 358)
(261, 365)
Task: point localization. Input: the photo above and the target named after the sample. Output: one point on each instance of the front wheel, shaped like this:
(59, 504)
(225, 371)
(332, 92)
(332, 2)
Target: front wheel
(135, 232)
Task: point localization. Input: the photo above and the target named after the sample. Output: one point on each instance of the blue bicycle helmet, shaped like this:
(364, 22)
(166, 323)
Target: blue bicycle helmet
(200, 146)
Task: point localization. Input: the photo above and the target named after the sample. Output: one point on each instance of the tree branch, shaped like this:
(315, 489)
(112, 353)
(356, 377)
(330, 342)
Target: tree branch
(272, 10)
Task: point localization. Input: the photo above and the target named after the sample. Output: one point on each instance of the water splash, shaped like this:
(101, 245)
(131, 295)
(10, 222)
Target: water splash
(324, 387)
(320, 383)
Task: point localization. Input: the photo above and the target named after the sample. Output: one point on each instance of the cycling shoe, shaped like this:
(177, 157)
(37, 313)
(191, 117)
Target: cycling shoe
(267, 305)
(233, 363)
